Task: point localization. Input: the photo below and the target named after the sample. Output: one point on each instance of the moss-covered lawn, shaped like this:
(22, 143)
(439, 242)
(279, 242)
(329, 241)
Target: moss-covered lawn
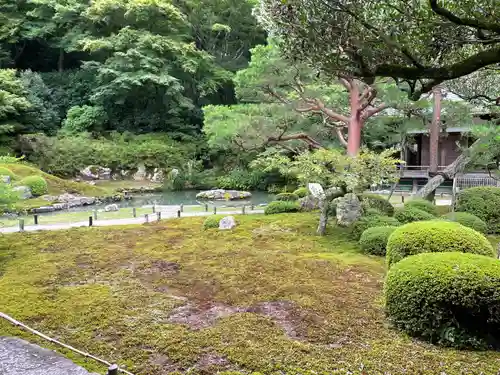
(166, 297)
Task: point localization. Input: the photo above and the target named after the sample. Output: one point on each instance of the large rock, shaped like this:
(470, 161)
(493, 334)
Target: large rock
(309, 203)
(227, 222)
(111, 208)
(158, 176)
(141, 173)
(5, 179)
(72, 200)
(24, 192)
(95, 172)
(20, 357)
(220, 194)
(349, 209)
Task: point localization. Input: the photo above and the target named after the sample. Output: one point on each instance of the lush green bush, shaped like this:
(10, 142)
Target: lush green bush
(484, 202)
(301, 192)
(287, 197)
(423, 205)
(37, 185)
(212, 221)
(371, 221)
(377, 202)
(7, 197)
(469, 220)
(447, 298)
(374, 240)
(434, 237)
(411, 214)
(7, 172)
(372, 212)
(277, 207)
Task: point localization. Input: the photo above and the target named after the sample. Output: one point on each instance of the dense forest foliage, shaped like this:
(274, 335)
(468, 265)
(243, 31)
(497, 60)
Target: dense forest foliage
(197, 85)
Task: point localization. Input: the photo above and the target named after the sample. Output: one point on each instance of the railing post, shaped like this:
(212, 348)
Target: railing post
(95, 214)
(90, 221)
(113, 370)
(252, 207)
(35, 218)
(146, 218)
(243, 210)
(134, 212)
(206, 207)
(154, 208)
(21, 225)
(178, 213)
(158, 215)
(215, 210)
(182, 207)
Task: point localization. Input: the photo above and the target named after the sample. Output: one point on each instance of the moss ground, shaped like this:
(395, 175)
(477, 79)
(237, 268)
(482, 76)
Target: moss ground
(268, 297)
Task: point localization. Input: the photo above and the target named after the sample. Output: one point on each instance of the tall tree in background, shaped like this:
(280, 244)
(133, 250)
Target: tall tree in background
(419, 43)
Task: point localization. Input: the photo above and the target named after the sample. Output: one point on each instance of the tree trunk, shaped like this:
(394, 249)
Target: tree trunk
(449, 173)
(60, 63)
(434, 132)
(355, 122)
(323, 218)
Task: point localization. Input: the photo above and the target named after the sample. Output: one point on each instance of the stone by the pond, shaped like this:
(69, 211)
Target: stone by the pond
(349, 209)
(24, 192)
(44, 209)
(5, 179)
(111, 208)
(221, 194)
(309, 203)
(96, 172)
(73, 200)
(158, 175)
(227, 222)
(20, 357)
(141, 173)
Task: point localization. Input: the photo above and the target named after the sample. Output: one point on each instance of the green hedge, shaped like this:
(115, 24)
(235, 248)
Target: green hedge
(291, 197)
(374, 240)
(277, 207)
(447, 298)
(371, 221)
(378, 202)
(7, 172)
(484, 202)
(433, 237)
(469, 220)
(301, 192)
(212, 221)
(423, 205)
(37, 185)
(411, 214)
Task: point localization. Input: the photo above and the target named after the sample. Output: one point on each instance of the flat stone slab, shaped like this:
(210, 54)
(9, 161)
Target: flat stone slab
(20, 357)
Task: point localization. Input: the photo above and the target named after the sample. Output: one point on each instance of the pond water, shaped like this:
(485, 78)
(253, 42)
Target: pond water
(187, 197)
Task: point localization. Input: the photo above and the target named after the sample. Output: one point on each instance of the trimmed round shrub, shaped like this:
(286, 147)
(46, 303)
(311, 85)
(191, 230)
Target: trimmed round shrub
(411, 214)
(435, 237)
(374, 240)
(7, 172)
(287, 197)
(469, 220)
(212, 221)
(377, 202)
(423, 205)
(484, 202)
(371, 221)
(301, 192)
(278, 207)
(37, 185)
(447, 298)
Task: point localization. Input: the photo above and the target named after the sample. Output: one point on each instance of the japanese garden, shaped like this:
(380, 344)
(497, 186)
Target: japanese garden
(250, 187)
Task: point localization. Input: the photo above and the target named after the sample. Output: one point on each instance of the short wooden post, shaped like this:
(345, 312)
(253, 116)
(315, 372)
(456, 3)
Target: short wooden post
(206, 207)
(178, 213)
(21, 225)
(95, 214)
(215, 210)
(146, 218)
(134, 212)
(243, 210)
(158, 215)
(113, 370)
(402, 198)
(90, 221)
(252, 207)
(35, 218)
(182, 207)
(154, 208)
